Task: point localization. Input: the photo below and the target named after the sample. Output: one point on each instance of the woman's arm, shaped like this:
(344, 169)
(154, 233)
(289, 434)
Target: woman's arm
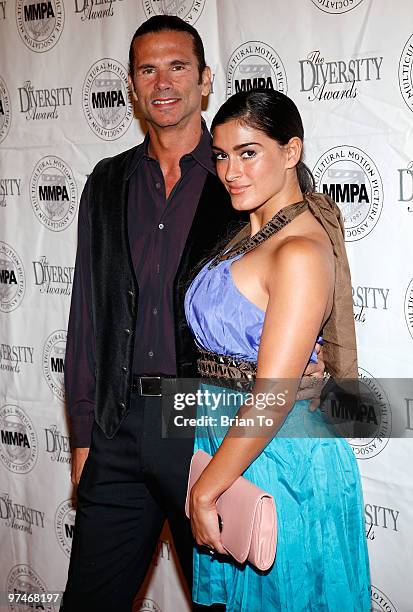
(300, 298)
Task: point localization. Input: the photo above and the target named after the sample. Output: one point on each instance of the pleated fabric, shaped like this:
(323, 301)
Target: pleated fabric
(221, 318)
(321, 562)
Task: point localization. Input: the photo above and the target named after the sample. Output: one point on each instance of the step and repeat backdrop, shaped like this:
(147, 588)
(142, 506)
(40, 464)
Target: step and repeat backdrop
(64, 104)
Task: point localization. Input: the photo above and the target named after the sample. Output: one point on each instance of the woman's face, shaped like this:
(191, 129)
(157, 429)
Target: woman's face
(253, 167)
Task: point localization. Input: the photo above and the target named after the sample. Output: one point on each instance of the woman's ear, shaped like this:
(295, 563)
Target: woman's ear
(294, 149)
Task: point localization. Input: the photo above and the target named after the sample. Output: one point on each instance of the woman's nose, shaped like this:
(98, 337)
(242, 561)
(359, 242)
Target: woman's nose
(233, 170)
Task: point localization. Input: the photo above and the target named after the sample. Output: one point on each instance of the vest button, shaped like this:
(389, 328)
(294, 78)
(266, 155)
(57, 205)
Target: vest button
(124, 369)
(127, 331)
(131, 293)
(122, 404)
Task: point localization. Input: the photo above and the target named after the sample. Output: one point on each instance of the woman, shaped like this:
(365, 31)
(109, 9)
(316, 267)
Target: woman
(265, 298)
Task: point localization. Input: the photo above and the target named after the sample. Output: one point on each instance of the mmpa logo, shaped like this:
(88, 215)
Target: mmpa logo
(53, 193)
(406, 73)
(105, 98)
(408, 307)
(12, 279)
(336, 6)
(18, 440)
(5, 110)
(64, 524)
(253, 65)
(54, 362)
(188, 10)
(40, 24)
(380, 602)
(349, 176)
(145, 605)
(376, 417)
(33, 592)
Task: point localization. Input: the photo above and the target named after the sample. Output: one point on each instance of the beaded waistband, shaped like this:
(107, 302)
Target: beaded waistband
(213, 365)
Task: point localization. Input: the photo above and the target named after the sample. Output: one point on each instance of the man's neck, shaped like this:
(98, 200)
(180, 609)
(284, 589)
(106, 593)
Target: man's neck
(168, 145)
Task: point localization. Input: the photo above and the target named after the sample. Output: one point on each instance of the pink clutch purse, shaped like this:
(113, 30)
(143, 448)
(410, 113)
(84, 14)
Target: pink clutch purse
(248, 517)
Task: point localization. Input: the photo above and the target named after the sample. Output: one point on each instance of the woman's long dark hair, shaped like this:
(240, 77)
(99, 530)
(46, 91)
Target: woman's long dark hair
(272, 113)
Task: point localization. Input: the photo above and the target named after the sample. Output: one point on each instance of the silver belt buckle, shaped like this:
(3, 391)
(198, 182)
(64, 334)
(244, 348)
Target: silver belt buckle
(146, 379)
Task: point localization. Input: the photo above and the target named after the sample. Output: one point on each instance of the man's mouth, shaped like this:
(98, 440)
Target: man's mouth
(164, 102)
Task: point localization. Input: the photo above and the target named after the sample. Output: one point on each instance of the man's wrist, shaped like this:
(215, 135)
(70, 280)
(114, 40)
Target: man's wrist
(81, 430)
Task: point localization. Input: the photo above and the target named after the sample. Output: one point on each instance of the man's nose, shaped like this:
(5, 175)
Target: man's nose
(163, 80)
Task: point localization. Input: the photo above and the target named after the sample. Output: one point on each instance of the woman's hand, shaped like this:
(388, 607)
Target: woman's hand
(313, 380)
(204, 519)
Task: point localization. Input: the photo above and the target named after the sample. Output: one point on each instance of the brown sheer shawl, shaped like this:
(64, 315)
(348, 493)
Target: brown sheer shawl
(340, 349)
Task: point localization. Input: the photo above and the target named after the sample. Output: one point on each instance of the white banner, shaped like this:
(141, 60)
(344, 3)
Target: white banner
(64, 104)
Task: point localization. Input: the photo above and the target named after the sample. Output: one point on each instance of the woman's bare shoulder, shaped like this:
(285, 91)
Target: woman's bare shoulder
(301, 256)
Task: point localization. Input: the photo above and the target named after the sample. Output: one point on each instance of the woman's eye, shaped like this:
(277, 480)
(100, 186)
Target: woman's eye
(247, 154)
(220, 156)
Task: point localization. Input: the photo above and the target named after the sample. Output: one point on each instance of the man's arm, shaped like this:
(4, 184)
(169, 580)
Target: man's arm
(80, 348)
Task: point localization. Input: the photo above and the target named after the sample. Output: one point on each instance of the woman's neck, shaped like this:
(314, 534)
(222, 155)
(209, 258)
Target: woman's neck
(266, 211)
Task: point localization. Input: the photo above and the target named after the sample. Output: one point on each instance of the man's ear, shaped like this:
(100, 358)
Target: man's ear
(206, 79)
(132, 88)
(294, 149)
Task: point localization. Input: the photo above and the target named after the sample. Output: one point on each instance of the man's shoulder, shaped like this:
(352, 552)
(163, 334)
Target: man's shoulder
(119, 162)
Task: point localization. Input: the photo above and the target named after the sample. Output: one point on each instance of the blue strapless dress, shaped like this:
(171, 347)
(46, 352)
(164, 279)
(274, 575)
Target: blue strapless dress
(321, 563)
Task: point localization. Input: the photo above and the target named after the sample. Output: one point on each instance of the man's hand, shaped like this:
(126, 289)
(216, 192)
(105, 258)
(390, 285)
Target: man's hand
(313, 380)
(79, 456)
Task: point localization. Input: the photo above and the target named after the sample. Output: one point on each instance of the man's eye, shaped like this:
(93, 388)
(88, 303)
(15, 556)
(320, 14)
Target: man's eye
(177, 67)
(248, 153)
(147, 71)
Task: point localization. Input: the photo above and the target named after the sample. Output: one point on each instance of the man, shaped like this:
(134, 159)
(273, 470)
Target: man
(147, 217)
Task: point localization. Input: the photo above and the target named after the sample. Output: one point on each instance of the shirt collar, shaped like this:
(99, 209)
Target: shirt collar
(202, 153)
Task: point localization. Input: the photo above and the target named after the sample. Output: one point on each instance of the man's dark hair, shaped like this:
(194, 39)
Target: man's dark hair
(160, 23)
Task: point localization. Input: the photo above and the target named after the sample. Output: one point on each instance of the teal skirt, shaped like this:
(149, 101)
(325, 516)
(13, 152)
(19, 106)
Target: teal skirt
(321, 562)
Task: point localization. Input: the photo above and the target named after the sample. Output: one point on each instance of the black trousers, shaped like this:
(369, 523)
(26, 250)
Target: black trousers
(129, 486)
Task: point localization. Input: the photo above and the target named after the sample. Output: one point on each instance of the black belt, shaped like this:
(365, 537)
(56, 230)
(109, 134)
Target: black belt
(147, 385)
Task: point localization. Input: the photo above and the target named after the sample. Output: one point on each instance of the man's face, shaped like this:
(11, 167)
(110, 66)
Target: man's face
(166, 78)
